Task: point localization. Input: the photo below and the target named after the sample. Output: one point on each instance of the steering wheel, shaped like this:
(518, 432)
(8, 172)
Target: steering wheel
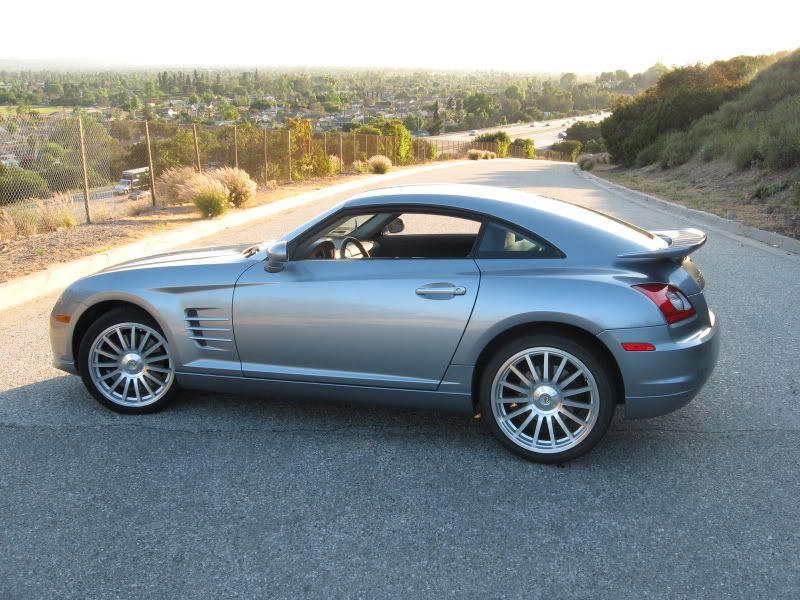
(323, 250)
(343, 252)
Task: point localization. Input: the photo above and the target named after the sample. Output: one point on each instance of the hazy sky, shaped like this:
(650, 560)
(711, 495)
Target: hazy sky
(581, 36)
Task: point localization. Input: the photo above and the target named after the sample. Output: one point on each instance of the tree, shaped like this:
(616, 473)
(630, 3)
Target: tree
(413, 122)
(568, 81)
(513, 92)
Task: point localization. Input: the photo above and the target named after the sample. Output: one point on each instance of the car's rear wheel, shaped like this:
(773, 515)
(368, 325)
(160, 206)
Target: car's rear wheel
(126, 363)
(547, 397)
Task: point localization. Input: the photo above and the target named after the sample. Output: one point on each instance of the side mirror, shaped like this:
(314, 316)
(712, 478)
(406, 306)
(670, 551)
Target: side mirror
(395, 226)
(277, 254)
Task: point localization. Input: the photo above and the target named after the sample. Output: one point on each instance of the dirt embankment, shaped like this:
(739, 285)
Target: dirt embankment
(769, 201)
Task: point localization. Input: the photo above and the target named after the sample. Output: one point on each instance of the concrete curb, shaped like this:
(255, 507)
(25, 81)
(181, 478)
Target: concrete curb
(776, 240)
(22, 289)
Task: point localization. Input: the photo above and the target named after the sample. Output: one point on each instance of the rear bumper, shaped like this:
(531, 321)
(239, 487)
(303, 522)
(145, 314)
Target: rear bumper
(659, 382)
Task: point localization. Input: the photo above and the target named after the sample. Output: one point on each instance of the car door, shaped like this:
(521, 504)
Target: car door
(387, 323)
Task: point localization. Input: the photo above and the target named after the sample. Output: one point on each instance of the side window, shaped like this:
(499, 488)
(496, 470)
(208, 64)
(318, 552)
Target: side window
(428, 224)
(499, 241)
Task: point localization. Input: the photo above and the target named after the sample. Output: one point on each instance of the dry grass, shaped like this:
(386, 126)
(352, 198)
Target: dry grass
(30, 217)
(587, 162)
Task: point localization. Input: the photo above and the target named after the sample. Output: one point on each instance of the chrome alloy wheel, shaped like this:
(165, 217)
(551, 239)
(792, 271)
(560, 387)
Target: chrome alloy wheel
(130, 364)
(545, 400)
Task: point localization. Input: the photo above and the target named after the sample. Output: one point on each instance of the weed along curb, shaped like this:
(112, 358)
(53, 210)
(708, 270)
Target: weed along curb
(32, 286)
(776, 240)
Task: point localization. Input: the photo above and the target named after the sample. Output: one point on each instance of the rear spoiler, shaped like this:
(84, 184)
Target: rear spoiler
(682, 242)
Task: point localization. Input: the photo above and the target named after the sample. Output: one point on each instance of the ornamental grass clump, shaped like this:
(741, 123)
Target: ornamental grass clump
(241, 187)
(379, 164)
(474, 154)
(170, 181)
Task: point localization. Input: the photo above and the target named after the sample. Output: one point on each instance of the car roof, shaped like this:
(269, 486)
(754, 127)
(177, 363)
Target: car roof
(573, 228)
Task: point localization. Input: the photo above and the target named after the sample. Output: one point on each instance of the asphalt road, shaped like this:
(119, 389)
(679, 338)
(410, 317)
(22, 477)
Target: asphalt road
(543, 133)
(256, 497)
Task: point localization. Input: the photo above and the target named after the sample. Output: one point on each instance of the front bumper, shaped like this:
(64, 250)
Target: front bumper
(659, 382)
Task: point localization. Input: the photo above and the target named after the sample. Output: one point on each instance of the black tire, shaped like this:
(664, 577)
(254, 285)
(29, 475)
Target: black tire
(110, 319)
(597, 366)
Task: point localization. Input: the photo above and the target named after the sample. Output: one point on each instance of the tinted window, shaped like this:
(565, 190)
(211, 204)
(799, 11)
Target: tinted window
(499, 241)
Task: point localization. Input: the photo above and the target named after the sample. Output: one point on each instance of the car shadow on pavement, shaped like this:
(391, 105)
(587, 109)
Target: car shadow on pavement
(63, 402)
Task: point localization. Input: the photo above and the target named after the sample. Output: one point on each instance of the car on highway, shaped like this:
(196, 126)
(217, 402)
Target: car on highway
(139, 195)
(474, 132)
(540, 315)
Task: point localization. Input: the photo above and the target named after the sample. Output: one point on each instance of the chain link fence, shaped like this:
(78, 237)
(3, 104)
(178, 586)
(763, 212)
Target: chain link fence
(60, 172)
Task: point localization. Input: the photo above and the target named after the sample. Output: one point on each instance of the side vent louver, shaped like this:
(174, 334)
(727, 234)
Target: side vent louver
(208, 329)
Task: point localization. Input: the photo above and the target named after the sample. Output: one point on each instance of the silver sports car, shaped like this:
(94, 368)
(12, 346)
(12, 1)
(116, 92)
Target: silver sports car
(539, 315)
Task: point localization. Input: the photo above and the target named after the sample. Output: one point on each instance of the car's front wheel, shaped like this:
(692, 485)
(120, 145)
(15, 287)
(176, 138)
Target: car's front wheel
(547, 397)
(126, 363)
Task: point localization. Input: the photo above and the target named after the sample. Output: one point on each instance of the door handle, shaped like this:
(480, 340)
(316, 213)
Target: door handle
(441, 289)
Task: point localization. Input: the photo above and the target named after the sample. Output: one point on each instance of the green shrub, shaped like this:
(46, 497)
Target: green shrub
(649, 155)
(765, 190)
(526, 146)
(62, 178)
(211, 203)
(360, 166)
(747, 153)
(329, 165)
(422, 148)
(500, 138)
(474, 154)
(571, 148)
(17, 184)
(594, 147)
(783, 151)
(379, 164)
(584, 131)
(676, 150)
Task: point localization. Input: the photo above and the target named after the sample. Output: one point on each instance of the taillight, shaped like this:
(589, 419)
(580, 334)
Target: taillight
(672, 302)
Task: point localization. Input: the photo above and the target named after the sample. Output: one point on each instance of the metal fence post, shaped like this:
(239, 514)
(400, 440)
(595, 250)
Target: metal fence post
(341, 154)
(325, 143)
(289, 140)
(85, 172)
(355, 154)
(196, 148)
(266, 160)
(150, 163)
(236, 146)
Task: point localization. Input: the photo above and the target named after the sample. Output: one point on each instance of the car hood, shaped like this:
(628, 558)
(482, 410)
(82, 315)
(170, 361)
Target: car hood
(201, 256)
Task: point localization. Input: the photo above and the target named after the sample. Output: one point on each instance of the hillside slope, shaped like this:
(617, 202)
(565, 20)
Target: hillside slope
(740, 159)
